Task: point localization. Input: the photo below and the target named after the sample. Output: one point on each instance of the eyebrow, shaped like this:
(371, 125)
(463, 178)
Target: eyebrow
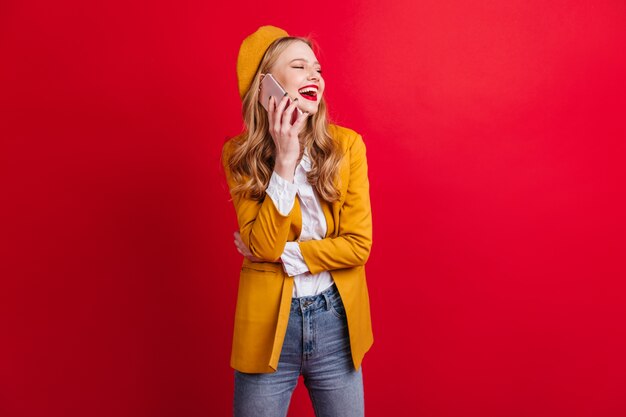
(302, 59)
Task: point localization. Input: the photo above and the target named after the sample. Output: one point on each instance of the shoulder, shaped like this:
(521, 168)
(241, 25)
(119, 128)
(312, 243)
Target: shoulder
(350, 142)
(346, 137)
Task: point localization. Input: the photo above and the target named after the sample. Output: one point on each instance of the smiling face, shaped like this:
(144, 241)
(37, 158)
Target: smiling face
(300, 74)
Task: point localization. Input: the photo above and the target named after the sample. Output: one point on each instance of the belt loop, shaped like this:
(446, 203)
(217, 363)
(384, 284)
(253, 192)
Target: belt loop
(327, 299)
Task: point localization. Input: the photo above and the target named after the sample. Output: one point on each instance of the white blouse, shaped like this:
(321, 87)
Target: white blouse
(283, 195)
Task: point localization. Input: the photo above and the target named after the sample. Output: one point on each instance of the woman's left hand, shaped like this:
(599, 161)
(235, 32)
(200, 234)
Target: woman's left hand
(243, 249)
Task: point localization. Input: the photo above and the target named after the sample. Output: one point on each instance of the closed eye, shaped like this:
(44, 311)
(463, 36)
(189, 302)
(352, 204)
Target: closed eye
(319, 71)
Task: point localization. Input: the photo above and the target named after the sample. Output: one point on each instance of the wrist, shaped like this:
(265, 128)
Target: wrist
(285, 169)
(287, 160)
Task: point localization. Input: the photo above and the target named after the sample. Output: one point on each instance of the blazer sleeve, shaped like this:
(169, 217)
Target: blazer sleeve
(263, 228)
(351, 247)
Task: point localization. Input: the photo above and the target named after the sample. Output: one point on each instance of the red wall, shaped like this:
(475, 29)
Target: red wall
(496, 143)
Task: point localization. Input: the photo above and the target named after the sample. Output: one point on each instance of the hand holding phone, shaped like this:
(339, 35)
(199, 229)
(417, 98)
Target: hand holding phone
(271, 88)
(286, 138)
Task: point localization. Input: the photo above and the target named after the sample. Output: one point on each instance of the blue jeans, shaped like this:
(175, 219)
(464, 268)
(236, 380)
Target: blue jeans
(317, 347)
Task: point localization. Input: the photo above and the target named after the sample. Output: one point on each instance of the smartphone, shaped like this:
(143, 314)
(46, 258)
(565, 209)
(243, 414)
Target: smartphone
(271, 88)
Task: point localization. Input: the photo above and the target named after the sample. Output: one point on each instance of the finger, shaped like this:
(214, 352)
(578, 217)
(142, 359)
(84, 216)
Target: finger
(243, 249)
(287, 115)
(300, 121)
(270, 112)
(279, 111)
(240, 245)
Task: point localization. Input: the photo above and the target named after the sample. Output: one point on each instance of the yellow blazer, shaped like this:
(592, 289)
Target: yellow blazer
(265, 290)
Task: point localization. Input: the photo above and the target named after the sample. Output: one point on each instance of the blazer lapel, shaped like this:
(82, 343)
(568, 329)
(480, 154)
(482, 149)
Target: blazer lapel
(331, 210)
(330, 218)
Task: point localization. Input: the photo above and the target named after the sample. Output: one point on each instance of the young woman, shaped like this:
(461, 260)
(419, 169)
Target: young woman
(301, 195)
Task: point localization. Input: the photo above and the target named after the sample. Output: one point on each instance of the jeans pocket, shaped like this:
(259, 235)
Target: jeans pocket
(336, 306)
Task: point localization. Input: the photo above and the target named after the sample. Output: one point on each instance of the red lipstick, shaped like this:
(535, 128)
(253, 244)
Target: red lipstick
(309, 92)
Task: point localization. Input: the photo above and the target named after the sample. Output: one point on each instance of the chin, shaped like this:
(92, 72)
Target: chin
(312, 109)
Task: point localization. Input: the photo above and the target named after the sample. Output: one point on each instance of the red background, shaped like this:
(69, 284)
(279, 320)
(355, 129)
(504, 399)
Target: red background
(496, 144)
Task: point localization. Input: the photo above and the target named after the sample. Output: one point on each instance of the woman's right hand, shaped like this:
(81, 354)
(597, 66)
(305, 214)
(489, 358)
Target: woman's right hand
(285, 135)
(243, 249)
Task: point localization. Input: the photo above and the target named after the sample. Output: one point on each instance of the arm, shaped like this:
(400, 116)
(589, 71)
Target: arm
(262, 227)
(352, 246)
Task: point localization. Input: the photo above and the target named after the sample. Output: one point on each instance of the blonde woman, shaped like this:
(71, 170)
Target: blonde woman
(301, 195)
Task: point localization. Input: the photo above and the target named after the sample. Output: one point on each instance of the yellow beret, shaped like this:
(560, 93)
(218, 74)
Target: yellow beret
(251, 52)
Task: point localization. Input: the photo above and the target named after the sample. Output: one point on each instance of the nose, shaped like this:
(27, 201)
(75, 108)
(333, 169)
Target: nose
(314, 75)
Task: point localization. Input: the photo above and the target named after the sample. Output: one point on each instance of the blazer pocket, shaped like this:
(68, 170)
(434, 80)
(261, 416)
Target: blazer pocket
(262, 266)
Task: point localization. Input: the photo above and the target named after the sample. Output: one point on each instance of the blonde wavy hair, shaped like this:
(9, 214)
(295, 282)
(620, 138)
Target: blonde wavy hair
(252, 161)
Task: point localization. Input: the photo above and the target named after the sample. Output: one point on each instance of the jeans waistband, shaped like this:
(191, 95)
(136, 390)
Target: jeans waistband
(323, 300)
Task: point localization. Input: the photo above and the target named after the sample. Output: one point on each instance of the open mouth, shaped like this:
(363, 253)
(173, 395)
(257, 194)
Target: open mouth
(309, 92)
